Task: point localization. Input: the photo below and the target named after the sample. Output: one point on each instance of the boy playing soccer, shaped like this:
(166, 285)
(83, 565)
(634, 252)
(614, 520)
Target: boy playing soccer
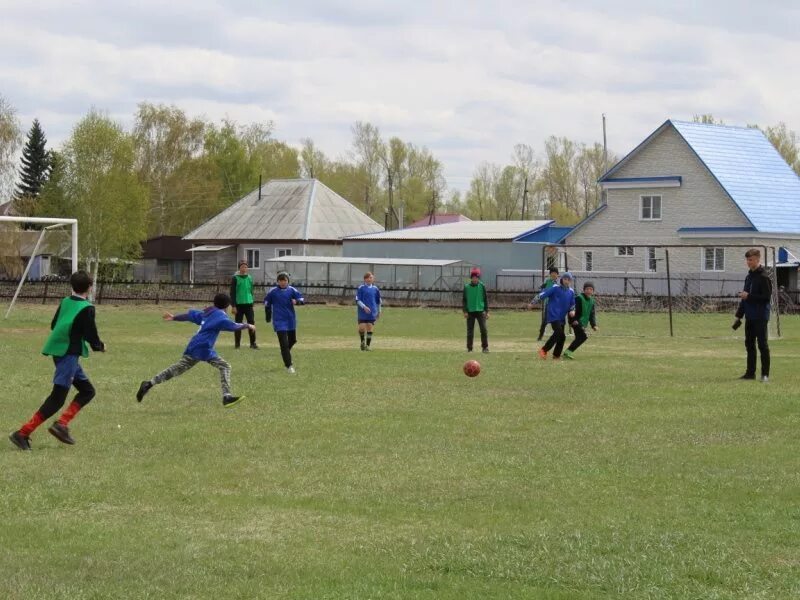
(212, 320)
(242, 301)
(560, 303)
(476, 308)
(368, 299)
(584, 315)
(73, 331)
(548, 283)
(279, 306)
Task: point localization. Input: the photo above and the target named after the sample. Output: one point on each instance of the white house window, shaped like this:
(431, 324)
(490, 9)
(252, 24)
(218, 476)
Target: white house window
(624, 250)
(713, 259)
(588, 261)
(650, 208)
(652, 263)
(279, 252)
(253, 258)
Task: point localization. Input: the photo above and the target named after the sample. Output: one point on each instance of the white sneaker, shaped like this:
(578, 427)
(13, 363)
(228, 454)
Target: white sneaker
(291, 370)
(764, 379)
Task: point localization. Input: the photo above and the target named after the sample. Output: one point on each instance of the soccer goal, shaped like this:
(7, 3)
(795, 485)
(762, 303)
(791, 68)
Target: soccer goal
(37, 249)
(673, 279)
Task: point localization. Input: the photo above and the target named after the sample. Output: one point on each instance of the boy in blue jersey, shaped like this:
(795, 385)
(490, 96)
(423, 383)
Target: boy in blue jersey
(212, 320)
(560, 303)
(279, 306)
(368, 299)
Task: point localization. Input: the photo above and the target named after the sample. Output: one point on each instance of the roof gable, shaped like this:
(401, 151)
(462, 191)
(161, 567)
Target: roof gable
(287, 209)
(747, 167)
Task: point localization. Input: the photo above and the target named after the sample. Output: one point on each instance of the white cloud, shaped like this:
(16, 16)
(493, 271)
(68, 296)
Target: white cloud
(468, 83)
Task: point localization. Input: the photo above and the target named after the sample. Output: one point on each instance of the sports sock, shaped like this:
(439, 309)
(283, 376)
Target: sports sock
(369, 338)
(31, 425)
(70, 413)
(361, 335)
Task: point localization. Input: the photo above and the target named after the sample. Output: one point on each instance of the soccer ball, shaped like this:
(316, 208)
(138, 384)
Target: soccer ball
(472, 368)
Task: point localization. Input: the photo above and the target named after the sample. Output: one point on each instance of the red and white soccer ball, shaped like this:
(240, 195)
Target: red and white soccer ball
(472, 368)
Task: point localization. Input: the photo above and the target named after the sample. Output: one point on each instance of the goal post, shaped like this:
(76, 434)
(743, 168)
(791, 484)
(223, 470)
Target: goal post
(50, 224)
(679, 278)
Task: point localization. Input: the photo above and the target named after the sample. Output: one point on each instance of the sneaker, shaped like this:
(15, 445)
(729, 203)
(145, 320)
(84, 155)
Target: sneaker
(61, 433)
(764, 379)
(291, 370)
(253, 346)
(236, 347)
(568, 354)
(144, 387)
(556, 357)
(469, 349)
(228, 401)
(23, 442)
(747, 376)
(485, 351)
(542, 353)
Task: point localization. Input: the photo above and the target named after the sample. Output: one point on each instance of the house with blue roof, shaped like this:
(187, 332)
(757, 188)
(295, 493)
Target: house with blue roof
(693, 184)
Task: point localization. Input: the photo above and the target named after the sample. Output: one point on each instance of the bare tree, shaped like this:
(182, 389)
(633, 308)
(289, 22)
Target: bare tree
(528, 168)
(10, 141)
(367, 149)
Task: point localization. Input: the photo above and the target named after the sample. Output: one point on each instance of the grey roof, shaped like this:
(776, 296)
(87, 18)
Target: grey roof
(460, 230)
(289, 209)
(358, 260)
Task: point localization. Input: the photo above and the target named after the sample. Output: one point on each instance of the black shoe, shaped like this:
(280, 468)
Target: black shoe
(228, 401)
(22, 442)
(61, 433)
(144, 387)
(747, 376)
(485, 351)
(253, 346)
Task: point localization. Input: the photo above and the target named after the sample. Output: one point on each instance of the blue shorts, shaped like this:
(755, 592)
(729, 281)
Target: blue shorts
(68, 369)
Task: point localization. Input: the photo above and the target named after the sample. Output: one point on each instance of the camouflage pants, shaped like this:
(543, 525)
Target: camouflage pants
(187, 362)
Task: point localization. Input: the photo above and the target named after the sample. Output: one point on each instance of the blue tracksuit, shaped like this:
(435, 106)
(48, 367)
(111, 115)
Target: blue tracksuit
(368, 296)
(560, 301)
(212, 320)
(278, 303)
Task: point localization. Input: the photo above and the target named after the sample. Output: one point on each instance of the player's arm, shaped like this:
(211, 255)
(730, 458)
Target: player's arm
(297, 297)
(360, 300)
(378, 303)
(87, 327)
(193, 316)
(592, 318)
(485, 302)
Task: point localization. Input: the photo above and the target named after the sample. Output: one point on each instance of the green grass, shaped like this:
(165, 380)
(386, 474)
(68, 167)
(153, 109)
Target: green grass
(642, 469)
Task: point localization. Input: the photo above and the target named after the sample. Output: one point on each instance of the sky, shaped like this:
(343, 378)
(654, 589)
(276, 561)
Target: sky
(468, 80)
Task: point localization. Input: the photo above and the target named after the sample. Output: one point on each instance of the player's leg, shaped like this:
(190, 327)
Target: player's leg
(86, 392)
(251, 320)
(580, 337)
(184, 364)
(286, 354)
(484, 331)
(237, 335)
(750, 346)
(370, 328)
(470, 330)
(362, 334)
(762, 333)
(558, 328)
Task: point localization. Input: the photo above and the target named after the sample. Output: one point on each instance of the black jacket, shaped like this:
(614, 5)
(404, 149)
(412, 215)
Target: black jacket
(758, 286)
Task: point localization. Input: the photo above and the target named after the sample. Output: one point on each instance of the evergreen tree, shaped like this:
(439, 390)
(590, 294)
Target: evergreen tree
(35, 164)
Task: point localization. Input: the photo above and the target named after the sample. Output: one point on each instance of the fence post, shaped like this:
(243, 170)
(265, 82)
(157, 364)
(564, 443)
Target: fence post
(44, 297)
(776, 298)
(669, 293)
(100, 292)
(158, 291)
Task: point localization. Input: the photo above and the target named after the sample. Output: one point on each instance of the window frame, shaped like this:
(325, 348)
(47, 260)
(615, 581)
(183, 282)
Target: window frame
(648, 258)
(253, 264)
(651, 198)
(626, 255)
(286, 252)
(715, 268)
(588, 265)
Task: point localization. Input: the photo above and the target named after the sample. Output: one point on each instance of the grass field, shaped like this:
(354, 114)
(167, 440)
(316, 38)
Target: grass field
(643, 469)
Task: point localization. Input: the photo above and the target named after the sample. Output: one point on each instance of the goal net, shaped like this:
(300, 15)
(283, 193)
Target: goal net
(36, 249)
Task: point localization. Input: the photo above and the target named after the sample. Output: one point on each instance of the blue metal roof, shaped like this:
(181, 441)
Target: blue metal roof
(549, 234)
(751, 171)
(716, 229)
(677, 178)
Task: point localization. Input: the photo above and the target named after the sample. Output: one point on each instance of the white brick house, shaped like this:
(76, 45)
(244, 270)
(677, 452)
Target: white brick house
(691, 184)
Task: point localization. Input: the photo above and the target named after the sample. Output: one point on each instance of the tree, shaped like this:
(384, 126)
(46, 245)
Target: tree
(367, 149)
(480, 197)
(10, 138)
(786, 143)
(35, 169)
(166, 140)
(590, 164)
(94, 180)
(707, 119)
(313, 162)
(560, 177)
(527, 171)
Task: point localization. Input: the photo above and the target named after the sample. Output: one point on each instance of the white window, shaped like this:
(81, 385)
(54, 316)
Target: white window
(588, 261)
(253, 257)
(713, 259)
(652, 263)
(279, 252)
(624, 250)
(650, 208)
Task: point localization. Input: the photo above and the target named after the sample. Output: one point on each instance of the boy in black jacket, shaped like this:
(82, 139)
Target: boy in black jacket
(754, 307)
(584, 316)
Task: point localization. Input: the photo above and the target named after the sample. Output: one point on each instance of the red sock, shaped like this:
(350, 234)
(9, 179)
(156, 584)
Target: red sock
(69, 414)
(31, 425)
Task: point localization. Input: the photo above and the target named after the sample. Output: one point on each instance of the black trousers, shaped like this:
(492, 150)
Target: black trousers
(244, 311)
(580, 337)
(755, 331)
(287, 339)
(481, 319)
(543, 326)
(556, 340)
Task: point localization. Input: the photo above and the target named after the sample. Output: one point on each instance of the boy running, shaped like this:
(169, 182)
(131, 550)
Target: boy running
(279, 306)
(584, 315)
(73, 332)
(212, 320)
(548, 283)
(368, 299)
(560, 303)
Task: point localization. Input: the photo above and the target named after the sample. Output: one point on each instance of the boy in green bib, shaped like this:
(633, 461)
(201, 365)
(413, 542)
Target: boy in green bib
(584, 316)
(476, 308)
(73, 332)
(242, 302)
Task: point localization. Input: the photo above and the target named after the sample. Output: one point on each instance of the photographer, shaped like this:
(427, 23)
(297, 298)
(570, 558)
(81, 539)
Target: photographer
(754, 307)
